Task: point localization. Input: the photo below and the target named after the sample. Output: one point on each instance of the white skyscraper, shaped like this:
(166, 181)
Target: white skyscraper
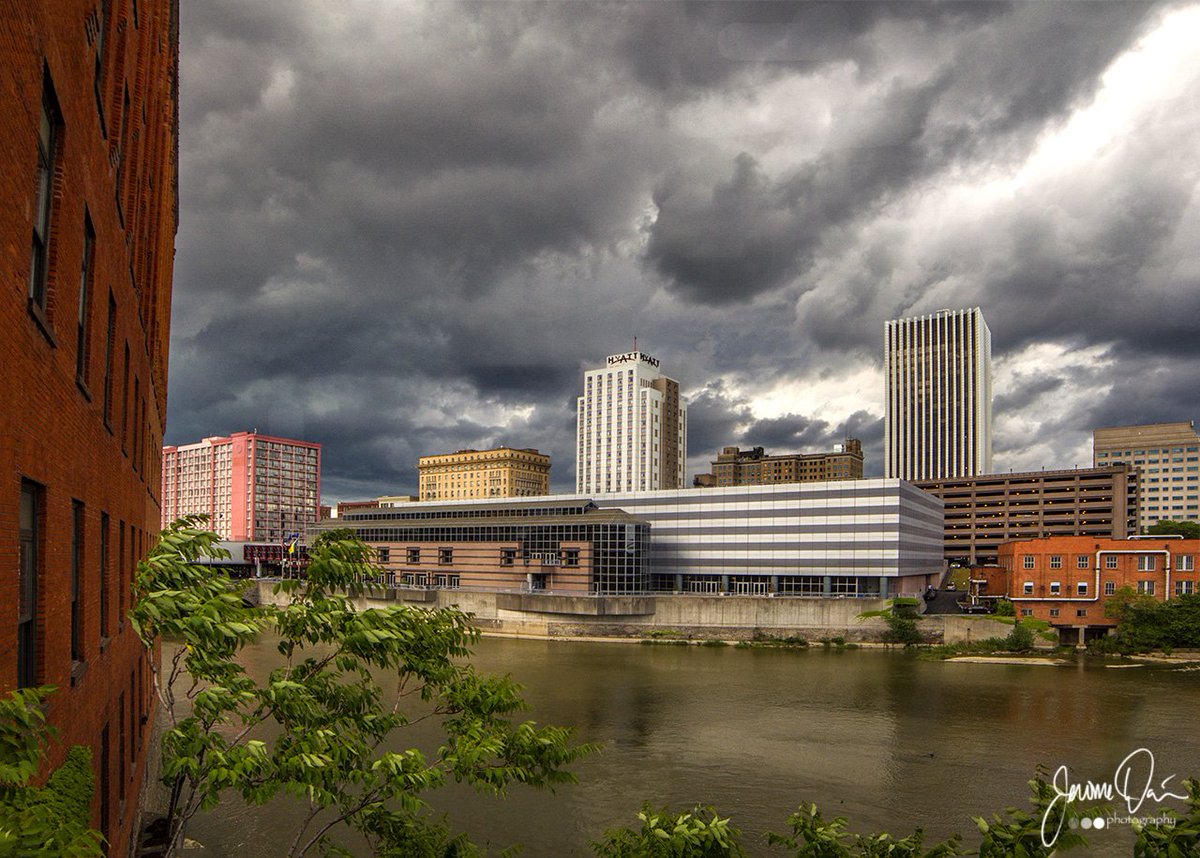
(938, 420)
(631, 428)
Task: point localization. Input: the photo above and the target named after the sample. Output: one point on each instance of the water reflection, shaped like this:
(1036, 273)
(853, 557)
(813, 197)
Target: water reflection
(886, 739)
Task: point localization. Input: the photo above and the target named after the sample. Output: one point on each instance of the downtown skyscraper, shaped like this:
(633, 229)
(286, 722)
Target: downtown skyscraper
(938, 414)
(631, 428)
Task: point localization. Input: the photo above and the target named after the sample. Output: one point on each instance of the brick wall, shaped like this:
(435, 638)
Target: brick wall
(81, 428)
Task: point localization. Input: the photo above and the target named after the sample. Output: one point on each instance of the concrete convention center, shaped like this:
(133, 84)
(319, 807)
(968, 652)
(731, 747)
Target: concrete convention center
(856, 538)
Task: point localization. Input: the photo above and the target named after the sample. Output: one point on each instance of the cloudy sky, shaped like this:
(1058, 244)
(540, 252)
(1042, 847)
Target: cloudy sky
(408, 227)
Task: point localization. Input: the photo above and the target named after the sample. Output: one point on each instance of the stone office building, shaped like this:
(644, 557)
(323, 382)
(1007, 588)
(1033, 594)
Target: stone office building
(754, 467)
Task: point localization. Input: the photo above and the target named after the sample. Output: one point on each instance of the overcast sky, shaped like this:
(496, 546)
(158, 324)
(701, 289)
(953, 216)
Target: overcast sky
(408, 228)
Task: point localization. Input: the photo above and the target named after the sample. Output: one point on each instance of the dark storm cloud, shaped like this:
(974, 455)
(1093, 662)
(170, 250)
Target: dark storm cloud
(408, 228)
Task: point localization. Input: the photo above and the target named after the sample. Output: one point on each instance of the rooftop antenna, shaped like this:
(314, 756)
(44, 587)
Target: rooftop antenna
(635, 342)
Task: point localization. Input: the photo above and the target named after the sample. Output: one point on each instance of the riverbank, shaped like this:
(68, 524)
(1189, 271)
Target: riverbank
(697, 617)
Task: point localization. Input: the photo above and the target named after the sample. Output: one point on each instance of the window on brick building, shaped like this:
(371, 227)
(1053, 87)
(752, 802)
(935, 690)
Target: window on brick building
(1026, 612)
(1055, 561)
(1082, 588)
(108, 360)
(27, 583)
(1184, 587)
(1110, 587)
(1186, 563)
(385, 555)
(1146, 587)
(82, 338)
(1028, 588)
(1082, 561)
(1081, 612)
(445, 555)
(1054, 612)
(1146, 562)
(1055, 588)
(508, 556)
(413, 555)
(1110, 561)
(77, 563)
(103, 594)
(1027, 561)
(49, 137)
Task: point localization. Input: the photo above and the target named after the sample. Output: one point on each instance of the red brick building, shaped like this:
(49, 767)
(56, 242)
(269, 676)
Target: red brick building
(1066, 580)
(88, 184)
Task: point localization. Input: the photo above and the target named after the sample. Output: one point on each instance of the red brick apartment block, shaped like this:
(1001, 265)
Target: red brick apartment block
(88, 186)
(1067, 580)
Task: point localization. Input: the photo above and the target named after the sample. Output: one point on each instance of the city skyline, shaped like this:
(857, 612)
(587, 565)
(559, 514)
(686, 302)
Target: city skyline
(393, 260)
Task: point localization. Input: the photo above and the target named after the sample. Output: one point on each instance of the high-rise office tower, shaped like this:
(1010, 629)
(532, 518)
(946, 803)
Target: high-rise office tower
(938, 416)
(1167, 457)
(631, 428)
(252, 487)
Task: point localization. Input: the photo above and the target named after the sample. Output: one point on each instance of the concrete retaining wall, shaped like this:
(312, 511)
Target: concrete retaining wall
(723, 617)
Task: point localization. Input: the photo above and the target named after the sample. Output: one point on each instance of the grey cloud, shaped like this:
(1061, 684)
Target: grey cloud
(392, 212)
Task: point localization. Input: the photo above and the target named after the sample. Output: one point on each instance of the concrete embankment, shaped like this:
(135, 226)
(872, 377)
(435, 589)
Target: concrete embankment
(685, 616)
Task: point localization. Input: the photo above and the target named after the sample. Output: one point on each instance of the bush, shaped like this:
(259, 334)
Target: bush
(1004, 608)
(1020, 639)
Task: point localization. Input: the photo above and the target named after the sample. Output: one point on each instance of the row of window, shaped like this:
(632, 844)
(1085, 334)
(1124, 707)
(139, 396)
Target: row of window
(1183, 587)
(1145, 562)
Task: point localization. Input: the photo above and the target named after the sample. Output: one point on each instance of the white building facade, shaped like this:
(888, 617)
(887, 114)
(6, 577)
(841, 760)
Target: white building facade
(938, 414)
(631, 428)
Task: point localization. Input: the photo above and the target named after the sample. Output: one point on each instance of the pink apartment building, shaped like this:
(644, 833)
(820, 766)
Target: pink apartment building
(253, 487)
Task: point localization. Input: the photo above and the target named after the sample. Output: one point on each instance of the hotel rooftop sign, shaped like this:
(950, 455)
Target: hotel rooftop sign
(613, 360)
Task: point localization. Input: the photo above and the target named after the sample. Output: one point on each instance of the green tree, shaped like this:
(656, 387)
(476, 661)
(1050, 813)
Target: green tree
(702, 833)
(1020, 639)
(48, 820)
(813, 836)
(1186, 529)
(332, 713)
(1177, 836)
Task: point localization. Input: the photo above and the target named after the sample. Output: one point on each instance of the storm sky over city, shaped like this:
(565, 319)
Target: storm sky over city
(408, 228)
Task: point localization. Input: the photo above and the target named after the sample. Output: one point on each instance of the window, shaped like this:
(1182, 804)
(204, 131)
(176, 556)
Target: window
(125, 404)
(1082, 561)
(1082, 588)
(1110, 561)
(49, 133)
(103, 577)
(1028, 588)
(1026, 612)
(1146, 562)
(1185, 587)
(571, 557)
(1081, 612)
(508, 556)
(1055, 561)
(413, 555)
(77, 525)
(1027, 561)
(1186, 563)
(27, 586)
(1110, 587)
(1055, 588)
(108, 360)
(121, 567)
(384, 555)
(98, 79)
(82, 340)
(1146, 587)
(1054, 612)
(445, 555)
(105, 783)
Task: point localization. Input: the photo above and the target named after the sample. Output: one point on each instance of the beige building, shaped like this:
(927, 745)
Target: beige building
(734, 467)
(1167, 458)
(983, 512)
(503, 472)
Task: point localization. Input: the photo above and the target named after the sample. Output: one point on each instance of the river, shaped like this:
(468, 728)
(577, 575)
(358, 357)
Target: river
(891, 741)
